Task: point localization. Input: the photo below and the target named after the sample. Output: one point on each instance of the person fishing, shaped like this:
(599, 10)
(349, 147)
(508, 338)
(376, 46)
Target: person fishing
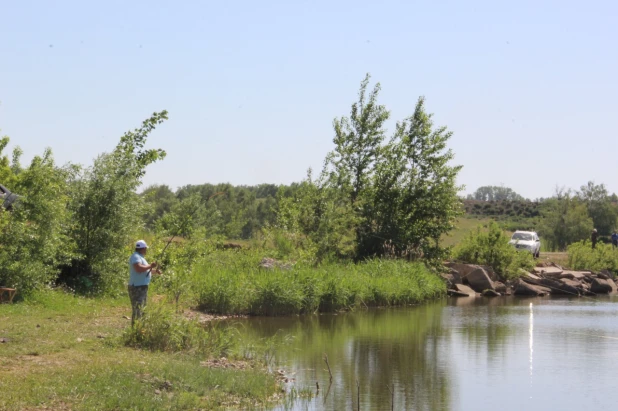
(594, 237)
(139, 279)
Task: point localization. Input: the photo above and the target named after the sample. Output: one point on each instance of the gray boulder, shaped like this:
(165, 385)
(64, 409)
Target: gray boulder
(553, 272)
(602, 286)
(463, 269)
(490, 293)
(523, 288)
(451, 278)
(500, 287)
(560, 287)
(479, 280)
(464, 289)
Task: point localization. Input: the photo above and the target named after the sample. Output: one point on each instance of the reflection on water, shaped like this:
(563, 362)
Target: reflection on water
(456, 354)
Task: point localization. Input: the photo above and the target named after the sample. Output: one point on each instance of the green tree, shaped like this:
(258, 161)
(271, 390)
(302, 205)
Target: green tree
(398, 197)
(495, 193)
(107, 211)
(565, 221)
(321, 217)
(358, 141)
(159, 199)
(600, 207)
(414, 193)
(33, 237)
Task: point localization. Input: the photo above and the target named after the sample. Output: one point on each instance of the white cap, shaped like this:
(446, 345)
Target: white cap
(141, 244)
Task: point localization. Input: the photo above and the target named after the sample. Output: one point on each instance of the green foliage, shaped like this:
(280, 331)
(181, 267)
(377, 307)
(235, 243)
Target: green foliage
(106, 210)
(233, 283)
(33, 237)
(358, 141)
(320, 218)
(495, 193)
(233, 212)
(565, 221)
(160, 329)
(491, 247)
(413, 200)
(583, 257)
(374, 199)
(600, 207)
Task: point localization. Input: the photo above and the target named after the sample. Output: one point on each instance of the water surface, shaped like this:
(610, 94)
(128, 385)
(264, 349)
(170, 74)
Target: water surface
(455, 354)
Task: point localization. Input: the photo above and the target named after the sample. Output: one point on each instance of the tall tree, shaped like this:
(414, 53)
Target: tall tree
(358, 141)
(414, 198)
(565, 221)
(600, 207)
(107, 211)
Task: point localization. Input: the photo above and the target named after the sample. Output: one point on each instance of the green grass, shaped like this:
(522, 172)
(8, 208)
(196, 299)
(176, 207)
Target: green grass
(233, 283)
(65, 352)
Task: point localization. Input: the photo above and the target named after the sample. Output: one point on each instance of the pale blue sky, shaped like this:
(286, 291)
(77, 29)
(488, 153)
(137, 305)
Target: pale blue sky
(528, 87)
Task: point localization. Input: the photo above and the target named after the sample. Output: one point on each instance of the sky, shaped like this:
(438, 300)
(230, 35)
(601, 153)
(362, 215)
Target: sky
(528, 88)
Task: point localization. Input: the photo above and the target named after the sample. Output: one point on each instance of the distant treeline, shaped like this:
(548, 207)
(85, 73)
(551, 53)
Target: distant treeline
(235, 212)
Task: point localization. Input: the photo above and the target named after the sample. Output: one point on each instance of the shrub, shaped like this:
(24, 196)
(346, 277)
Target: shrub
(602, 257)
(491, 247)
(33, 240)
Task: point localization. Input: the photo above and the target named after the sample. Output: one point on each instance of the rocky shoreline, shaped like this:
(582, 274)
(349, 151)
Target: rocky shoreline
(469, 280)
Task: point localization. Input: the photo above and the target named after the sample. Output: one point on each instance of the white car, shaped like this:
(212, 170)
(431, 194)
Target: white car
(527, 241)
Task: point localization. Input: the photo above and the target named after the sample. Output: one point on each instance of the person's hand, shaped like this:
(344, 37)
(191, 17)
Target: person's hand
(157, 271)
(153, 265)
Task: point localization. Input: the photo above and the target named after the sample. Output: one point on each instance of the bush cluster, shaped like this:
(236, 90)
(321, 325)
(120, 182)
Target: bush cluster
(491, 247)
(583, 257)
(72, 224)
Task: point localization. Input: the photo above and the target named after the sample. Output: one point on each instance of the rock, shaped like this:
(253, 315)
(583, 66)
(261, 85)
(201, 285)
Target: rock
(559, 287)
(479, 280)
(575, 275)
(606, 275)
(500, 287)
(465, 290)
(572, 283)
(602, 286)
(553, 272)
(490, 272)
(462, 269)
(531, 278)
(490, 293)
(4, 340)
(523, 288)
(452, 278)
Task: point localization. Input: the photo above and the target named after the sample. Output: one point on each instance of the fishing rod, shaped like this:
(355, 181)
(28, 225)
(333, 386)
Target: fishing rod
(180, 227)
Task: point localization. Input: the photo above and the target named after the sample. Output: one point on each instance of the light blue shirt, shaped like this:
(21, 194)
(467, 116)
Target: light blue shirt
(138, 278)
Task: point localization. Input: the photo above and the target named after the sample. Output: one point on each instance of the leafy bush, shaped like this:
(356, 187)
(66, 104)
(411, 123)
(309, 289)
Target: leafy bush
(106, 211)
(33, 238)
(583, 257)
(491, 247)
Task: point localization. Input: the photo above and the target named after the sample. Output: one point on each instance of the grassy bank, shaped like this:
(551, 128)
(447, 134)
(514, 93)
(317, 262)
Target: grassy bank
(65, 352)
(233, 283)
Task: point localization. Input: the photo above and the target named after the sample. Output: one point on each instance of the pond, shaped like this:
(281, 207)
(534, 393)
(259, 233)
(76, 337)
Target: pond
(455, 354)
